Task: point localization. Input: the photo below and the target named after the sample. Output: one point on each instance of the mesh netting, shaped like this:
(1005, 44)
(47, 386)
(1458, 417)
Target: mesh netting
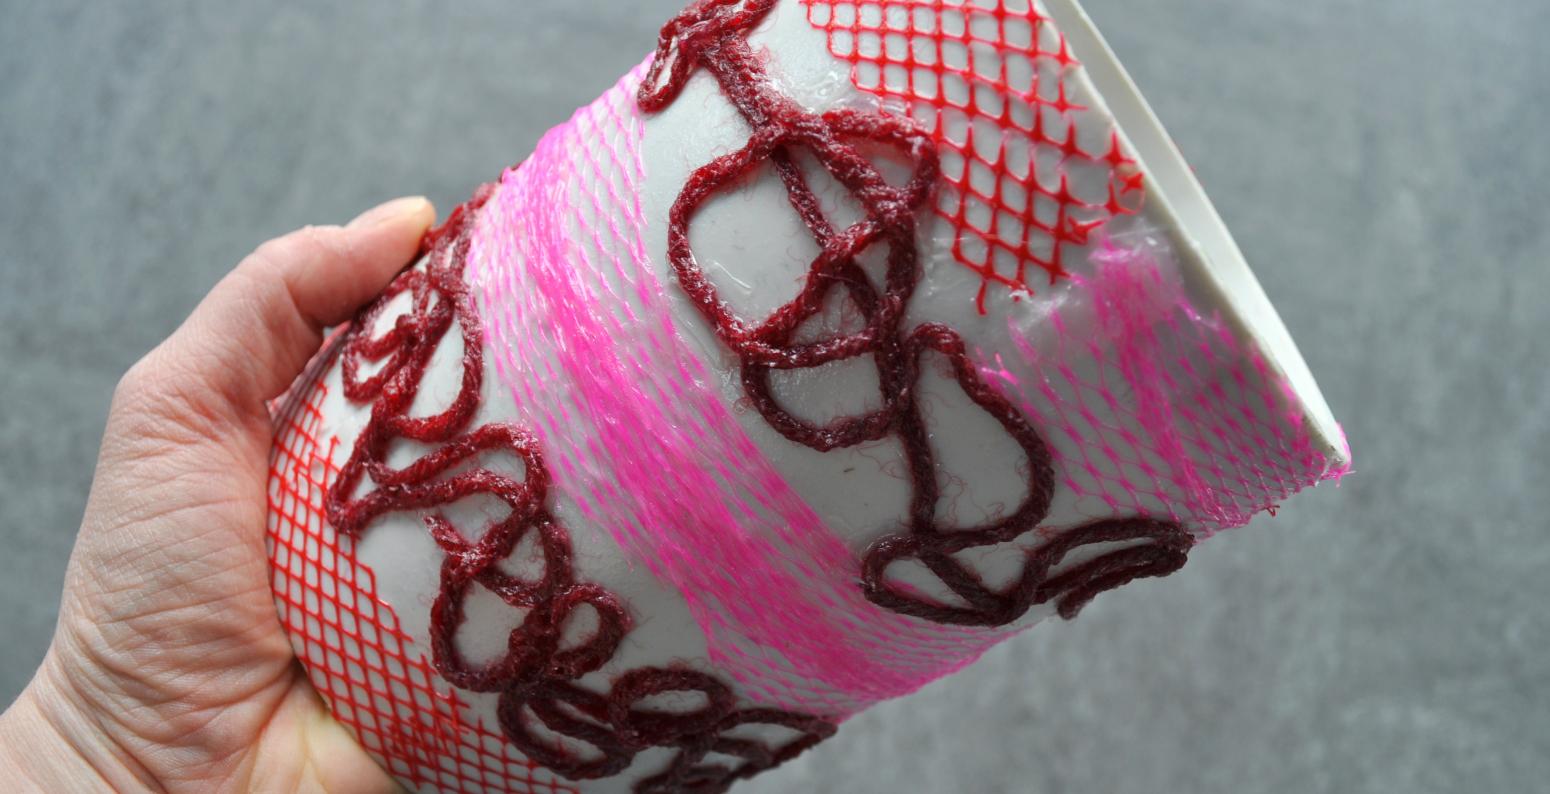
(377, 683)
(1025, 178)
(1154, 408)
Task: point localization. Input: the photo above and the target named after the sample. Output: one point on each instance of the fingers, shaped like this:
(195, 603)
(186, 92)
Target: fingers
(255, 331)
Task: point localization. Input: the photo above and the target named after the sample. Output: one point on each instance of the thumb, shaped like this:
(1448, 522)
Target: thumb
(255, 331)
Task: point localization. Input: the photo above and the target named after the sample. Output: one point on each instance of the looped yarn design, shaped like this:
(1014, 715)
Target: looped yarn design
(536, 675)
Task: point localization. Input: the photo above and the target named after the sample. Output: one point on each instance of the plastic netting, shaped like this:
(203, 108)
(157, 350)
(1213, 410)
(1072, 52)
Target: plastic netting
(1024, 179)
(1151, 406)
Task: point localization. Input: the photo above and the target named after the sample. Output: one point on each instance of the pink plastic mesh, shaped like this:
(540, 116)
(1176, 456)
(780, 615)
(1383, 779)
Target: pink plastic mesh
(1152, 408)
(377, 683)
(1021, 184)
(581, 331)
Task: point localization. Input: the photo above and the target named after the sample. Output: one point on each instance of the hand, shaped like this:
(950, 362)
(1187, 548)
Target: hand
(169, 669)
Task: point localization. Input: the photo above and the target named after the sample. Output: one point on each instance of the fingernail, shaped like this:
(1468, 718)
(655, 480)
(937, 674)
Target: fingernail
(390, 211)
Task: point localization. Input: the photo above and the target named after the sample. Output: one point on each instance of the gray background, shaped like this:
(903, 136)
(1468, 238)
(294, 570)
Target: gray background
(1383, 162)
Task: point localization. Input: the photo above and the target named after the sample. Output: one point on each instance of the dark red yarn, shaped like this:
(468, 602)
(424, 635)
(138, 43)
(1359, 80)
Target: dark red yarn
(712, 34)
(536, 676)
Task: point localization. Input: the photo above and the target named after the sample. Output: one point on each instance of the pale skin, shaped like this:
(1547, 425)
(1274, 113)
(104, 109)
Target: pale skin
(168, 669)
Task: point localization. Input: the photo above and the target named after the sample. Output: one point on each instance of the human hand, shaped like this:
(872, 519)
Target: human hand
(169, 670)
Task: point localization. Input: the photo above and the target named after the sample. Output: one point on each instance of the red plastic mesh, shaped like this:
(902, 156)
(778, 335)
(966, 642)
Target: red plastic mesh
(1159, 412)
(989, 80)
(376, 682)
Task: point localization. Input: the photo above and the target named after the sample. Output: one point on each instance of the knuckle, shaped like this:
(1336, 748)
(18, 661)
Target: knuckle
(147, 388)
(305, 243)
(283, 261)
(152, 402)
(136, 383)
(323, 240)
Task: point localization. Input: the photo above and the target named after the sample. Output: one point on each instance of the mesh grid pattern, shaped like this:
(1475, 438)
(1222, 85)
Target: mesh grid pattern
(375, 681)
(827, 650)
(1027, 174)
(1154, 408)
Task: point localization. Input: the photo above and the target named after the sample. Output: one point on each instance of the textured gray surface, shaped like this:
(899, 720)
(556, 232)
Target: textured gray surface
(1382, 162)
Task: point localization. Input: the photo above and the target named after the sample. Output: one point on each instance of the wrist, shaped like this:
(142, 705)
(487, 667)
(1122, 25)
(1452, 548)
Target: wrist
(47, 744)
